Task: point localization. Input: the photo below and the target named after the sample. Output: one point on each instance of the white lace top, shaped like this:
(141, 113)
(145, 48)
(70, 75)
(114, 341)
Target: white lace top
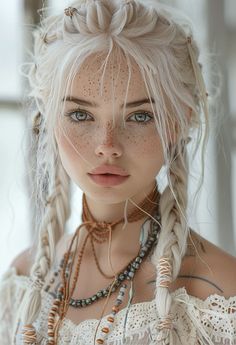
(196, 321)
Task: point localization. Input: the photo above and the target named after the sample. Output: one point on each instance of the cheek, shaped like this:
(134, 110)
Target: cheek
(73, 143)
(146, 144)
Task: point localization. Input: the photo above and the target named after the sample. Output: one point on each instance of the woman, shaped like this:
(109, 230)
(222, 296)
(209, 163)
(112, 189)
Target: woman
(118, 93)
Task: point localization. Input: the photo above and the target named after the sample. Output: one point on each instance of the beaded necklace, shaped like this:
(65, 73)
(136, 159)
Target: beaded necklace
(126, 274)
(98, 232)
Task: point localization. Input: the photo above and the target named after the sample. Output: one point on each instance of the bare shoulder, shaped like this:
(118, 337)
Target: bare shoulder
(210, 271)
(22, 262)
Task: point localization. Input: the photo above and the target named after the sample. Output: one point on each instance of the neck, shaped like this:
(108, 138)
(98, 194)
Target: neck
(125, 236)
(106, 210)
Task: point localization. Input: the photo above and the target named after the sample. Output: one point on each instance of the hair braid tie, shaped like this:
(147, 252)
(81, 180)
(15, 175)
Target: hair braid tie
(165, 323)
(164, 276)
(36, 284)
(164, 279)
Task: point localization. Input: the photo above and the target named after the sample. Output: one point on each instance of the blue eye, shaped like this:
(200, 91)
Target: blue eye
(78, 116)
(142, 117)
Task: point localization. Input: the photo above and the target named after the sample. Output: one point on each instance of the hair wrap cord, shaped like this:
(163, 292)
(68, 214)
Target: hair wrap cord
(164, 276)
(36, 284)
(97, 232)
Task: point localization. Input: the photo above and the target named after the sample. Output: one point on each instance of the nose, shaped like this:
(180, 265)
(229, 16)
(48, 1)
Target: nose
(108, 146)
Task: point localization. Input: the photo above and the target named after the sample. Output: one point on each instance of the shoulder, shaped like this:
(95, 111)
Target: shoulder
(210, 271)
(22, 262)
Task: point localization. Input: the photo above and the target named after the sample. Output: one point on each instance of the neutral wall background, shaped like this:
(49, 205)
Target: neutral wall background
(214, 23)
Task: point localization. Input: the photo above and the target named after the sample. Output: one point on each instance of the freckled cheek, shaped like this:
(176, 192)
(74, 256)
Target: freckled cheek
(73, 141)
(147, 144)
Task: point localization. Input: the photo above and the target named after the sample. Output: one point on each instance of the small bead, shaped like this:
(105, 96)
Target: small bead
(51, 342)
(57, 302)
(120, 297)
(121, 277)
(115, 309)
(50, 333)
(52, 314)
(100, 341)
(110, 319)
(118, 302)
(105, 330)
(138, 259)
(61, 289)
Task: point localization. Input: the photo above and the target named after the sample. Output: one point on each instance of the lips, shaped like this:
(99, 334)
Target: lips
(108, 170)
(108, 175)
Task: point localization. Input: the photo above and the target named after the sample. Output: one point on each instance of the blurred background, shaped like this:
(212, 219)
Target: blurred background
(214, 23)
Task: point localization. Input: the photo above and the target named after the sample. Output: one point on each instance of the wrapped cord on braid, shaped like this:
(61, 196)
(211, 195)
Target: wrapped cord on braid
(172, 241)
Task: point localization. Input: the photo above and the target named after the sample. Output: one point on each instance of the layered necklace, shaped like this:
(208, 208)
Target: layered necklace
(98, 232)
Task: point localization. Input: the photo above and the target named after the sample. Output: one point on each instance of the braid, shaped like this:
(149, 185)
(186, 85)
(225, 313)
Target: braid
(173, 238)
(51, 229)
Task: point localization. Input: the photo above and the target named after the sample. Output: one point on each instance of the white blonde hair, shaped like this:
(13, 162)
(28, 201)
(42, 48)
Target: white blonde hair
(162, 46)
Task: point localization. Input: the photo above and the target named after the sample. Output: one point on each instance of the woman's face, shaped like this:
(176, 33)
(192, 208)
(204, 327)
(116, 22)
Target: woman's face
(87, 137)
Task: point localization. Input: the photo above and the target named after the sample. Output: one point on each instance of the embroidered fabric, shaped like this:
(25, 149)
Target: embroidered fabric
(196, 321)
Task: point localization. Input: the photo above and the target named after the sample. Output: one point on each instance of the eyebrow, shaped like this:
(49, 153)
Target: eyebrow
(92, 104)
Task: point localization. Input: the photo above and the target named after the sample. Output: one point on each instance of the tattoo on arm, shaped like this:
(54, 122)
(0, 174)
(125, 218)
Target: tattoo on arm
(193, 277)
(201, 278)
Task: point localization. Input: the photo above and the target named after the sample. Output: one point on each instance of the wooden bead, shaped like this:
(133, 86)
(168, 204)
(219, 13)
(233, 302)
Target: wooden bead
(115, 309)
(50, 326)
(52, 314)
(54, 309)
(57, 302)
(105, 330)
(50, 333)
(110, 319)
(100, 341)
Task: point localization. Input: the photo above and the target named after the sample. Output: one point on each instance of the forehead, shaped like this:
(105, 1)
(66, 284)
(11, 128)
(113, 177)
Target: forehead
(97, 83)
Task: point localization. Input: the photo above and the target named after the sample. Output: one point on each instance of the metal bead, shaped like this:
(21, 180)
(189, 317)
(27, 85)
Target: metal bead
(118, 302)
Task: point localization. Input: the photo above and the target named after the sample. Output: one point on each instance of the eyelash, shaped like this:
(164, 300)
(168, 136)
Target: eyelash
(71, 113)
